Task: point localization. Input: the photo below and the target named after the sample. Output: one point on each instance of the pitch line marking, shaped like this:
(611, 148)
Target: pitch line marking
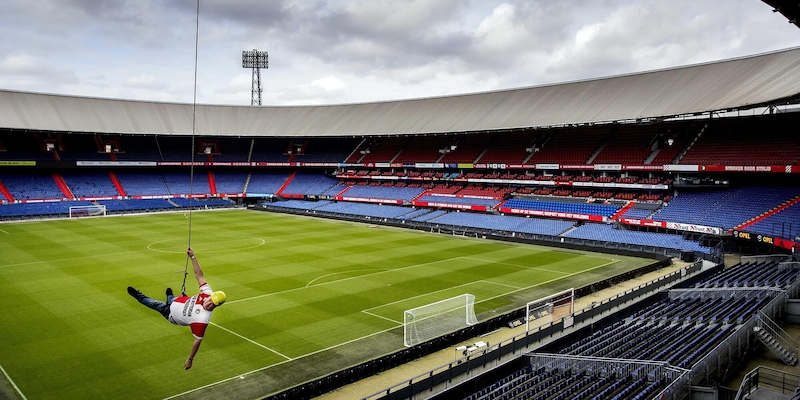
(263, 242)
(4, 232)
(423, 295)
(552, 280)
(275, 365)
(344, 279)
(381, 316)
(367, 310)
(343, 272)
(503, 284)
(517, 288)
(13, 383)
(69, 259)
(354, 340)
(517, 265)
(252, 341)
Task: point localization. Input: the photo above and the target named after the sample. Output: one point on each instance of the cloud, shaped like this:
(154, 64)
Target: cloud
(339, 51)
(19, 62)
(500, 32)
(318, 91)
(328, 83)
(28, 72)
(144, 81)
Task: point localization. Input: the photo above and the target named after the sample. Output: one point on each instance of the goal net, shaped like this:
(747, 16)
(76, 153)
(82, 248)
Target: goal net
(87, 211)
(554, 306)
(437, 319)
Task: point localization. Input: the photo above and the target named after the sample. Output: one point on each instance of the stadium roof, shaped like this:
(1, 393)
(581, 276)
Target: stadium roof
(766, 79)
(789, 8)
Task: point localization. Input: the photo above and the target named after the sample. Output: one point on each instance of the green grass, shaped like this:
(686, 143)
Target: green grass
(306, 297)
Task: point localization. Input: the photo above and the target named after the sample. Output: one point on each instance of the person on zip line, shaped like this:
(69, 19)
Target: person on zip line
(194, 311)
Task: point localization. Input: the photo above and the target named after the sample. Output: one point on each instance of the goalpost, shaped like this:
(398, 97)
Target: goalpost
(556, 306)
(437, 319)
(87, 211)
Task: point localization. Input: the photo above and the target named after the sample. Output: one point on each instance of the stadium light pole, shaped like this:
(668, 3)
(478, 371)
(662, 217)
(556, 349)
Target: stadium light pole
(255, 60)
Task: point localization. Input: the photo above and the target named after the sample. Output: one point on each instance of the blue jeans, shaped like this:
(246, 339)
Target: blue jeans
(160, 306)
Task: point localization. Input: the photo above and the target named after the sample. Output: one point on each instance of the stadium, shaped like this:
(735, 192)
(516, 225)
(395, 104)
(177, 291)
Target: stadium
(628, 237)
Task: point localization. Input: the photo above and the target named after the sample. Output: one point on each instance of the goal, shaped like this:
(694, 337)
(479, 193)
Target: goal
(87, 211)
(437, 319)
(555, 306)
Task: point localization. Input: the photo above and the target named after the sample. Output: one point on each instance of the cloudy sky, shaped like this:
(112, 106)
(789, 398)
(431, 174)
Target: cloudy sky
(349, 51)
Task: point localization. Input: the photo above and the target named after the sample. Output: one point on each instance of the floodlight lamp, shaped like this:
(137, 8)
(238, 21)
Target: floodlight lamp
(255, 59)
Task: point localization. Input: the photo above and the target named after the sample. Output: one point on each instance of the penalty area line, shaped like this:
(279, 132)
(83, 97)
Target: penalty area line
(252, 341)
(8, 377)
(233, 378)
(380, 271)
(381, 316)
(400, 323)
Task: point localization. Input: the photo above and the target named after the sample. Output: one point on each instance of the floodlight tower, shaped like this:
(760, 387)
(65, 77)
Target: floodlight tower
(255, 60)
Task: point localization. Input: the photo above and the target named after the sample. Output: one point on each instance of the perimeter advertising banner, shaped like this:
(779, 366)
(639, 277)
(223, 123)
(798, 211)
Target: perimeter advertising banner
(678, 226)
(116, 163)
(449, 205)
(368, 200)
(643, 222)
(785, 169)
(17, 163)
(552, 214)
(775, 241)
(673, 225)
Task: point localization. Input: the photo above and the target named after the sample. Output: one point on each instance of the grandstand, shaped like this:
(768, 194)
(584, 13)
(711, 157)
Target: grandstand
(670, 174)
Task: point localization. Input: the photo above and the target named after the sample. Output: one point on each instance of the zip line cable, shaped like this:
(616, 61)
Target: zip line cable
(191, 165)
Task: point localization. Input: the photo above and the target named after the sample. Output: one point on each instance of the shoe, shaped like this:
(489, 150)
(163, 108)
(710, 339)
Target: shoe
(169, 292)
(135, 293)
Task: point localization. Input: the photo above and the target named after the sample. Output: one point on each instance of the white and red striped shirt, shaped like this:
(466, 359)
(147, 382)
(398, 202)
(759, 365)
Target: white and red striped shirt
(189, 311)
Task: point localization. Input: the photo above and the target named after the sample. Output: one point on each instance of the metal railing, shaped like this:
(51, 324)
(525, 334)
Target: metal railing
(771, 379)
(763, 321)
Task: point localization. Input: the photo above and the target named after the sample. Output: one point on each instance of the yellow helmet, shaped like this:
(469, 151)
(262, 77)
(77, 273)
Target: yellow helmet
(218, 297)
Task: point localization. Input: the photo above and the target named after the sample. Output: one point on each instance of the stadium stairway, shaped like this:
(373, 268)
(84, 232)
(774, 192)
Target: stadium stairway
(786, 355)
(285, 184)
(212, 184)
(63, 186)
(117, 183)
(568, 230)
(4, 191)
(623, 210)
(769, 213)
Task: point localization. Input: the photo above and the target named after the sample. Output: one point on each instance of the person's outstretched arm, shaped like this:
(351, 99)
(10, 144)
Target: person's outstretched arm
(198, 272)
(195, 347)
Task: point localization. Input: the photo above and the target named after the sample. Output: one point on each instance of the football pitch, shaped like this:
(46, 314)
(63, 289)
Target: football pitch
(306, 297)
